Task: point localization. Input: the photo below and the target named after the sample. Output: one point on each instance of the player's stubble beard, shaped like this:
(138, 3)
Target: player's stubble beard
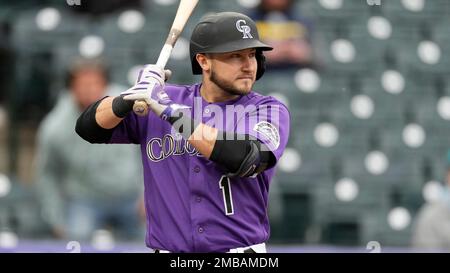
(228, 86)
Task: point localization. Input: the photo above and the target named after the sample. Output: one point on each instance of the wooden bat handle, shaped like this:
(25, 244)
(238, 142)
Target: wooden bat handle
(184, 11)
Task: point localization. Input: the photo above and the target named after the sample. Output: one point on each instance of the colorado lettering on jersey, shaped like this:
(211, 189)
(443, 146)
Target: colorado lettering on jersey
(159, 149)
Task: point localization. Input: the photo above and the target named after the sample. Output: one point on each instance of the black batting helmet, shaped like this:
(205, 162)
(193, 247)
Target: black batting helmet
(226, 32)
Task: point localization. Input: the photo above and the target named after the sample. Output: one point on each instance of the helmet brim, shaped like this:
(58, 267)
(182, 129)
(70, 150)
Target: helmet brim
(228, 47)
(237, 45)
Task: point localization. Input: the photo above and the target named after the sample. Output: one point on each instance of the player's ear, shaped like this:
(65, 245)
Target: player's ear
(203, 61)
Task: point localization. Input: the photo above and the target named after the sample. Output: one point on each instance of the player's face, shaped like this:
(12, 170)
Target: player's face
(234, 72)
(88, 86)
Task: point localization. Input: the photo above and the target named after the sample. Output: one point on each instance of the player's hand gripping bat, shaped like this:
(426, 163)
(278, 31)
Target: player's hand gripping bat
(184, 11)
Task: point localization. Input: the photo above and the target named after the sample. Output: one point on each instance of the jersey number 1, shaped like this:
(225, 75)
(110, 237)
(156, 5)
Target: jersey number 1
(225, 186)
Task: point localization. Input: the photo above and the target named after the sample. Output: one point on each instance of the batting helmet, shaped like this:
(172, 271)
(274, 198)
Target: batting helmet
(226, 32)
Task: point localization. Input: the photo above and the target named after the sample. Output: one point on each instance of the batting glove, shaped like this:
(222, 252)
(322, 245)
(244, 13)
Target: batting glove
(149, 85)
(150, 88)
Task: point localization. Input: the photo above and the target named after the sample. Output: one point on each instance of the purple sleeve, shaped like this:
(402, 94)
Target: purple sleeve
(269, 122)
(127, 131)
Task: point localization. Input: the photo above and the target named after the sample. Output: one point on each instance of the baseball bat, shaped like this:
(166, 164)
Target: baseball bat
(185, 9)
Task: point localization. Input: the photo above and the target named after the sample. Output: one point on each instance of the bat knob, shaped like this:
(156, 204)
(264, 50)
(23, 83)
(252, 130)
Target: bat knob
(140, 108)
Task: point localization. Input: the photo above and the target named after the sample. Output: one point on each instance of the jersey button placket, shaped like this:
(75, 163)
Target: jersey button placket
(197, 208)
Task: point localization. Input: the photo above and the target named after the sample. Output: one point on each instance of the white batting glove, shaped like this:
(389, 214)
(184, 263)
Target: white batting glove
(149, 85)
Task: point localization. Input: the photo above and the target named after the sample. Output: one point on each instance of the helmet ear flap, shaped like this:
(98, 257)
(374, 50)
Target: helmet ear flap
(261, 61)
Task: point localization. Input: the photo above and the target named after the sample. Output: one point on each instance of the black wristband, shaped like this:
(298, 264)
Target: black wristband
(121, 107)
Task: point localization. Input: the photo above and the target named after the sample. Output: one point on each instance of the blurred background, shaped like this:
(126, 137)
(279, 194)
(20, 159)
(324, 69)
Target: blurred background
(366, 81)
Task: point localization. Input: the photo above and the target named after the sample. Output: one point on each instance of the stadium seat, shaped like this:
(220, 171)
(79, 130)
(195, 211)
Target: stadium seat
(375, 228)
(29, 38)
(438, 167)
(331, 13)
(345, 217)
(425, 58)
(296, 217)
(389, 109)
(313, 170)
(342, 55)
(19, 211)
(440, 31)
(384, 48)
(404, 13)
(282, 82)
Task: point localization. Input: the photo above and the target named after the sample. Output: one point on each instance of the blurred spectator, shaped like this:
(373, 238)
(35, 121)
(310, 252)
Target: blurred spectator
(84, 187)
(290, 34)
(432, 224)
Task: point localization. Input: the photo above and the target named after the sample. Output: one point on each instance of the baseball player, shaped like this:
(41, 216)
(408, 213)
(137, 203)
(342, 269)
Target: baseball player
(208, 149)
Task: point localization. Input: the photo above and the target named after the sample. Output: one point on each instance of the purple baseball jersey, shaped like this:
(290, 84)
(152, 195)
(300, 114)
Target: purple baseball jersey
(191, 205)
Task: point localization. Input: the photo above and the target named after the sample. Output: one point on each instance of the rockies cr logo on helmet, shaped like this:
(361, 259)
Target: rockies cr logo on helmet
(244, 29)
